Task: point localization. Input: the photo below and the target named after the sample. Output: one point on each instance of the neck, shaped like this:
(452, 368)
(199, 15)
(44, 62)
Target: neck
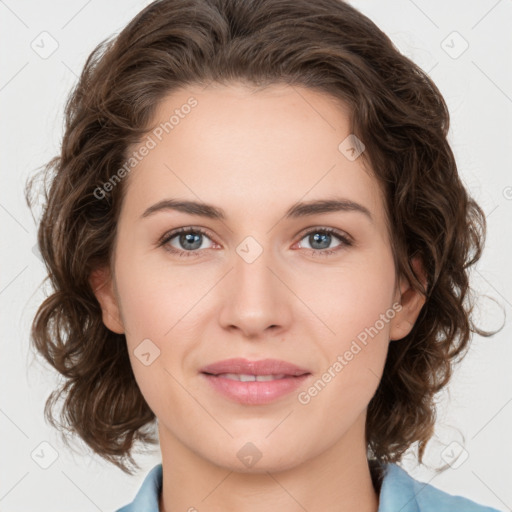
(338, 479)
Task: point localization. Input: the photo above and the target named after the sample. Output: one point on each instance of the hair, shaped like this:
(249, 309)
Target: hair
(395, 109)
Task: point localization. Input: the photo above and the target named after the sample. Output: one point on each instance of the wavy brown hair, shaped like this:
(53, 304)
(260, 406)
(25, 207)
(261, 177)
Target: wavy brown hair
(395, 109)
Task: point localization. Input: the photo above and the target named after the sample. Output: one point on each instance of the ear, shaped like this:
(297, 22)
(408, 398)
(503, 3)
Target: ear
(411, 302)
(103, 287)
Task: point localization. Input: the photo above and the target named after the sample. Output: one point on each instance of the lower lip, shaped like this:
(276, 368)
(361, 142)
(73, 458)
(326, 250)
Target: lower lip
(254, 392)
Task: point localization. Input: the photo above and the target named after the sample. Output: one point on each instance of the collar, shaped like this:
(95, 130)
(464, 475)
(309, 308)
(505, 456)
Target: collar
(398, 492)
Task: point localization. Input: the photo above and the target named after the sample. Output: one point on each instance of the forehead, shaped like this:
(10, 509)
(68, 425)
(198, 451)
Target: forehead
(248, 150)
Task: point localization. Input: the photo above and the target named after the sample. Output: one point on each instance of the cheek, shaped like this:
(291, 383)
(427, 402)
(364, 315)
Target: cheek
(354, 358)
(353, 297)
(145, 311)
(153, 296)
(356, 305)
(160, 308)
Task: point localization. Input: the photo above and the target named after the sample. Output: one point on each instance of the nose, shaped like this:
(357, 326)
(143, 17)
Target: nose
(255, 298)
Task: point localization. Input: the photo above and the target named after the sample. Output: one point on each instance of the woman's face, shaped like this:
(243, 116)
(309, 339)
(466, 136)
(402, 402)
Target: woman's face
(264, 281)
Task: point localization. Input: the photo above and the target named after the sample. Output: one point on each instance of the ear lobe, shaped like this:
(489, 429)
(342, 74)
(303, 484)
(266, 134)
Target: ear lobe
(411, 301)
(103, 287)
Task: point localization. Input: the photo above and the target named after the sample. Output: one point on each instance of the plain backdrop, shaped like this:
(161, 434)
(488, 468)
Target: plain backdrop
(464, 46)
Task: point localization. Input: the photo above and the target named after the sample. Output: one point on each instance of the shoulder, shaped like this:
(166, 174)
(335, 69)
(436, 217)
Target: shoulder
(146, 499)
(400, 491)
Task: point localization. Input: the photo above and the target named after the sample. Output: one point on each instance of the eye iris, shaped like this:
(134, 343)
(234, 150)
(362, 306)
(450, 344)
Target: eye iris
(324, 239)
(188, 238)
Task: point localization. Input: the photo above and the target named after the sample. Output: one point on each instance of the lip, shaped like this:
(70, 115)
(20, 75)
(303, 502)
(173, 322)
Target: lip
(261, 367)
(254, 392)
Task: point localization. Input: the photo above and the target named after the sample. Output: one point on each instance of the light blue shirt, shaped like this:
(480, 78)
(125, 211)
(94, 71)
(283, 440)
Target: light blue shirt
(399, 493)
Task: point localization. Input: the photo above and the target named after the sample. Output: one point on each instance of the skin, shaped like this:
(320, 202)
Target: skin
(255, 154)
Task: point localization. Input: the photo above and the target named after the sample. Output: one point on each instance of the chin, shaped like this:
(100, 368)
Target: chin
(251, 457)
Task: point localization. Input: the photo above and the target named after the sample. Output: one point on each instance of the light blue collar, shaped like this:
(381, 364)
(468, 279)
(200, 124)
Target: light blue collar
(399, 493)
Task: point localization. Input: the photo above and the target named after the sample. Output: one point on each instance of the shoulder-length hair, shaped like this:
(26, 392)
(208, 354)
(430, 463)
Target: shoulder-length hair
(395, 109)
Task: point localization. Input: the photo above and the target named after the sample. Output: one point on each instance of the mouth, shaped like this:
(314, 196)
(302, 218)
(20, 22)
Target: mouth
(254, 382)
(246, 377)
(271, 368)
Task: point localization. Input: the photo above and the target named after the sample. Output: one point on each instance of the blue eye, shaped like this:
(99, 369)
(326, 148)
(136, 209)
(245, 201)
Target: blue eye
(320, 238)
(189, 241)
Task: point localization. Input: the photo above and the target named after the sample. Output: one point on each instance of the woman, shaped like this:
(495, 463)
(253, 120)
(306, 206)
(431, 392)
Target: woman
(257, 236)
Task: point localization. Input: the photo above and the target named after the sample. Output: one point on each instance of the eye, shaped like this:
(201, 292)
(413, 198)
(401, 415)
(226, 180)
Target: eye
(188, 241)
(319, 239)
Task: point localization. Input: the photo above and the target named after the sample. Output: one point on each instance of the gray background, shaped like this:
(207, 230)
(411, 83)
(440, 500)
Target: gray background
(475, 413)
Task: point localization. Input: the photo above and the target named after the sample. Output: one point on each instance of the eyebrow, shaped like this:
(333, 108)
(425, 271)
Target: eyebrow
(298, 210)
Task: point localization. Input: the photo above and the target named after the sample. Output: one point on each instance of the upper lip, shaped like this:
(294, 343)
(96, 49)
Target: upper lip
(262, 367)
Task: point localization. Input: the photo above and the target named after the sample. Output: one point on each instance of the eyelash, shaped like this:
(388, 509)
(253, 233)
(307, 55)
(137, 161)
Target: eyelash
(322, 252)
